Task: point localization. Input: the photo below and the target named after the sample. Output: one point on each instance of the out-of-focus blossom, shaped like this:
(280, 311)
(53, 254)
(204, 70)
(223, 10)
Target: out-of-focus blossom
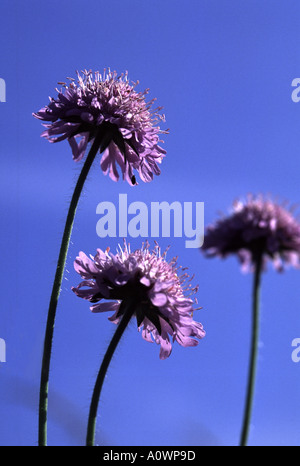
(256, 227)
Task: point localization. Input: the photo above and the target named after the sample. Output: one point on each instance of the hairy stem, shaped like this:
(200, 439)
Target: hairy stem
(254, 351)
(43, 402)
(128, 312)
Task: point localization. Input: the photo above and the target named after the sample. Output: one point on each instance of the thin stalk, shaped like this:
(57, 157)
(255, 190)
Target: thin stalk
(43, 402)
(91, 428)
(254, 351)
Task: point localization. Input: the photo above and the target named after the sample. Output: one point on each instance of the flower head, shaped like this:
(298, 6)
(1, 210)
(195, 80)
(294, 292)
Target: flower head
(161, 304)
(256, 227)
(107, 105)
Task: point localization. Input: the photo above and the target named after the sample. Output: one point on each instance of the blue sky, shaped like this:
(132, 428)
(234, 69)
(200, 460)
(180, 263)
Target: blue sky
(223, 73)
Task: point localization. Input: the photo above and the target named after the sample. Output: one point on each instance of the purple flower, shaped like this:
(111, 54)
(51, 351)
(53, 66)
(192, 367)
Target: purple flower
(256, 227)
(162, 302)
(108, 106)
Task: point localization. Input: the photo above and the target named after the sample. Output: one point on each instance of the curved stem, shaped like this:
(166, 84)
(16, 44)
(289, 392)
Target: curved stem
(43, 403)
(254, 351)
(128, 312)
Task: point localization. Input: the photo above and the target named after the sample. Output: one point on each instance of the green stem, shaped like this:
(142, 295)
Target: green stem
(254, 351)
(43, 402)
(128, 312)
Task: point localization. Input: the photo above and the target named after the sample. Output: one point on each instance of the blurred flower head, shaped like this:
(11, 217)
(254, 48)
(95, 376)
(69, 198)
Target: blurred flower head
(107, 105)
(162, 306)
(256, 227)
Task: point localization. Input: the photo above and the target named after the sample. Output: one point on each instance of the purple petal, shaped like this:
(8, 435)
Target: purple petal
(159, 299)
(105, 307)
